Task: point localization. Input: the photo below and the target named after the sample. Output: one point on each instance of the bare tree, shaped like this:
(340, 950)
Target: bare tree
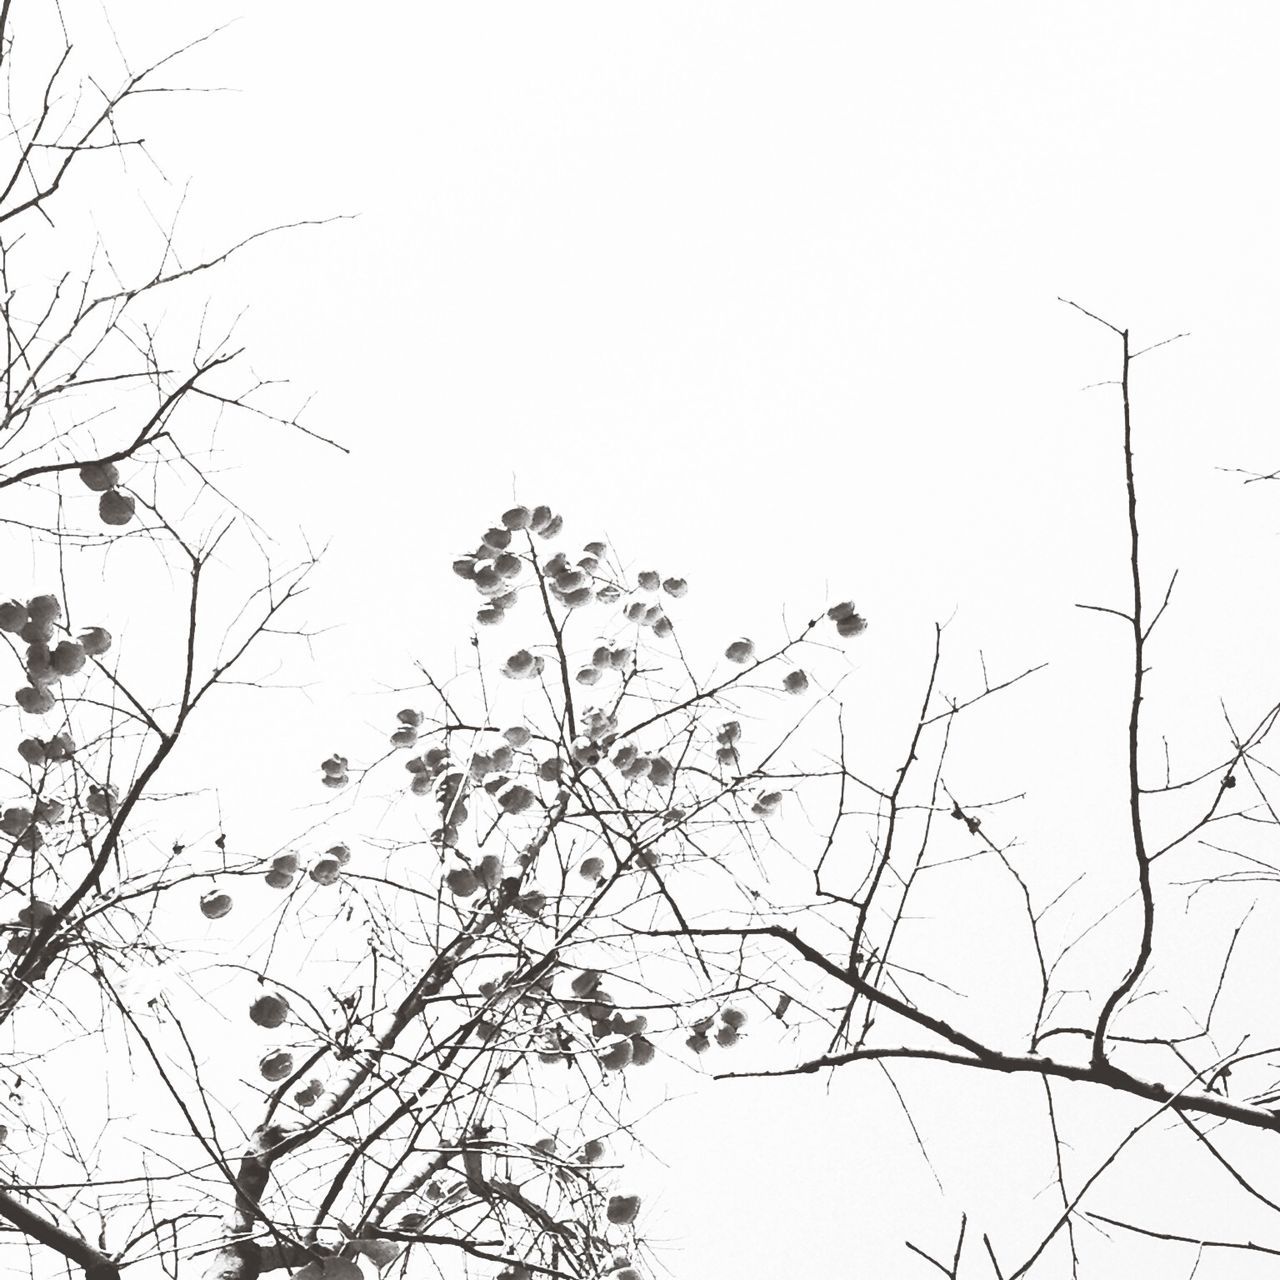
(1189, 1050)
(411, 1037)
(414, 1049)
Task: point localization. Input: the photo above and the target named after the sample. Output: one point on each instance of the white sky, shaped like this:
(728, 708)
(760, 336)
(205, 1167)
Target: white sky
(767, 293)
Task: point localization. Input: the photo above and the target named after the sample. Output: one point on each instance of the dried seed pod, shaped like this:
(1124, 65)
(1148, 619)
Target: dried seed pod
(68, 658)
(214, 905)
(276, 1065)
(795, 682)
(13, 616)
(309, 1094)
(326, 872)
(585, 982)
(35, 702)
(532, 903)
(44, 610)
(622, 1210)
(49, 811)
(616, 1056)
(102, 800)
(116, 507)
(661, 772)
(462, 882)
(99, 476)
(642, 1051)
(269, 1010)
(95, 641)
(520, 665)
(35, 913)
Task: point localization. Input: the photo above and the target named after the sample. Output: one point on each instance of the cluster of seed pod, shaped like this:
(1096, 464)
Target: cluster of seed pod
(46, 663)
(115, 506)
(451, 790)
(766, 803)
(633, 763)
(326, 870)
(597, 732)
(576, 583)
(619, 1040)
(523, 665)
(451, 786)
(650, 613)
(727, 738)
(333, 772)
(426, 768)
(492, 568)
(408, 722)
(23, 825)
(271, 1010)
(56, 750)
(728, 1025)
(23, 822)
(605, 660)
(848, 621)
(467, 880)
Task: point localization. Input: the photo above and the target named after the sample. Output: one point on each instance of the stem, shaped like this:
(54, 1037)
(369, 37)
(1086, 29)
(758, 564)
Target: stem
(1099, 1054)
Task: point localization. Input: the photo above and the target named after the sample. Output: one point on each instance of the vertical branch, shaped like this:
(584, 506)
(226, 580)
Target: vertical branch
(1099, 1052)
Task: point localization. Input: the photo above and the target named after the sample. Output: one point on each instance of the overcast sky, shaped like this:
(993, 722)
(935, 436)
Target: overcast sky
(767, 293)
